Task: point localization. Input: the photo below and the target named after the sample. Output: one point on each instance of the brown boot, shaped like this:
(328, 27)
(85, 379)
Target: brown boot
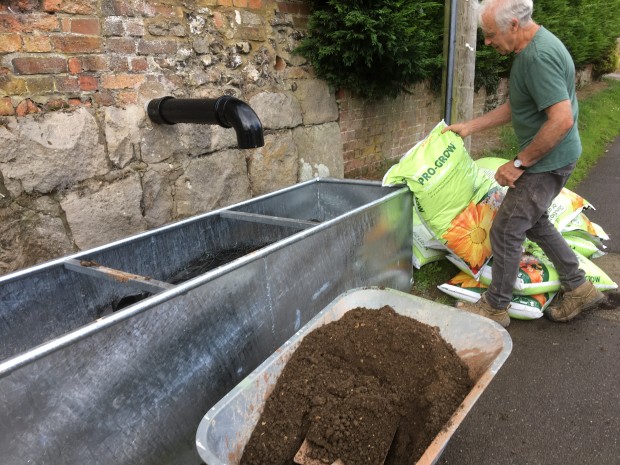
(482, 307)
(572, 303)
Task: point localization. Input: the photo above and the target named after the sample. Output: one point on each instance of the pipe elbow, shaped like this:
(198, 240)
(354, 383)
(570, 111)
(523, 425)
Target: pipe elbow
(225, 111)
(232, 112)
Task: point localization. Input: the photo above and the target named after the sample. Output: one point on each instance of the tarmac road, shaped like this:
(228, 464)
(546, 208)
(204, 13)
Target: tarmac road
(556, 400)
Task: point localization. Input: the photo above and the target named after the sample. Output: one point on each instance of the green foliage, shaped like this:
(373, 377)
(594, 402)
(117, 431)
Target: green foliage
(490, 67)
(374, 48)
(588, 28)
(427, 278)
(377, 48)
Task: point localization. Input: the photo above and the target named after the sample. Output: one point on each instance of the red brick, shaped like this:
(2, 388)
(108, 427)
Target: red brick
(138, 64)
(121, 8)
(51, 5)
(94, 63)
(87, 26)
(56, 104)
(286, 7)
(240, 3)
(120, 45)
(37, 44)
(119, 63)
(10, 43)
(88, 83)
(10, 22)
(158, 9)
(65, 25)
(75, 65)
(127, 98)
(280, 63)
(26, 107)
(76, 7)
(255, 4)
(104, 99)
(134, 27)
(23, 5)
(122, 81)
(76, 44)
(67, 84)
(40, 65)
(154, 47)
(304, 9)
(6, 107)
(218, 20)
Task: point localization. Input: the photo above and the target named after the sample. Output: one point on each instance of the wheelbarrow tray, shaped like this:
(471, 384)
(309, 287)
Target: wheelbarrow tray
(481, 343)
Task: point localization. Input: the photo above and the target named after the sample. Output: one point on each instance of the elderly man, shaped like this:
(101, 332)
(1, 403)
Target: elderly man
(543, 110)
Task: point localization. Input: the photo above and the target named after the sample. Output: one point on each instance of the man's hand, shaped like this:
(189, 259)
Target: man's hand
(462, 129)
(507, 174)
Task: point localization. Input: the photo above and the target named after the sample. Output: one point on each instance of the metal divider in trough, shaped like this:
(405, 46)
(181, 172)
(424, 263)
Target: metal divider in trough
(112, 355)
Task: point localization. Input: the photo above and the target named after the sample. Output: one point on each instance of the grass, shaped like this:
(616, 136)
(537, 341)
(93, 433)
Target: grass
(599, 125)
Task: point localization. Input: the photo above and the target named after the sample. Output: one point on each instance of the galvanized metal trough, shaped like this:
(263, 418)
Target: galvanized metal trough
(112, 355)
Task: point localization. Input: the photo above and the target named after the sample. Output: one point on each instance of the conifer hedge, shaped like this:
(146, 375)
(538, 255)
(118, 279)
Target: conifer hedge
(377, 48)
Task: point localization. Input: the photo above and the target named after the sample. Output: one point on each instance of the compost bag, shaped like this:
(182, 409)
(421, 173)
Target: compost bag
(422, 237)
(455, 201)
(522, 307)
(538, 275)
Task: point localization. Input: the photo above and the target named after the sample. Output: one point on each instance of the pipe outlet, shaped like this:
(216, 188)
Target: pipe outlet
(225, 111)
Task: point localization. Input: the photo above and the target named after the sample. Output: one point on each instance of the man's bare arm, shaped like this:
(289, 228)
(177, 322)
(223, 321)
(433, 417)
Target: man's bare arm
(494, 118)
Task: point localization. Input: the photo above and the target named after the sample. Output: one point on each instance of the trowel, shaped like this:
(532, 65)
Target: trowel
(383, 437)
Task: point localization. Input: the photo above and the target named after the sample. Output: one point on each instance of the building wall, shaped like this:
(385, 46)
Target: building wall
(82, 165)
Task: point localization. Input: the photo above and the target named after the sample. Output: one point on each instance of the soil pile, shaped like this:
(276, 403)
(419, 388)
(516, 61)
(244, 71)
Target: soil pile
(354, 382)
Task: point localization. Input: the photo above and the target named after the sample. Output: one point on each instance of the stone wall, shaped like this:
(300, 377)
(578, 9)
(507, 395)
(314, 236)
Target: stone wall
(82, 165)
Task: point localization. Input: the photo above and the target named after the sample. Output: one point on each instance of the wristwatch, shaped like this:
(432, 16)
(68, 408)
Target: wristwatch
(519, 164)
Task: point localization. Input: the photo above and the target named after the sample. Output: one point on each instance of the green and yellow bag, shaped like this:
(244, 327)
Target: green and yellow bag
(451, 195)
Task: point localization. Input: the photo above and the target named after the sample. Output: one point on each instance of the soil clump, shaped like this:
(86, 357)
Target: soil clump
(355, 384)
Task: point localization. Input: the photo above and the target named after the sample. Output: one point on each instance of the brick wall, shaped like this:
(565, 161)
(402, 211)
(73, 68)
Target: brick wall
(376, 134)
(62, 53)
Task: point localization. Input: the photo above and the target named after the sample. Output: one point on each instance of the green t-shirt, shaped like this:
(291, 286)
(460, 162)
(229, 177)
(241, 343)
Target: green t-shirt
(543, 74)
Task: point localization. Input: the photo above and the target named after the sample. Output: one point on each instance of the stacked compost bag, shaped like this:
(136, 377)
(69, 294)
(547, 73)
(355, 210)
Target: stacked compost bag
(455, 202)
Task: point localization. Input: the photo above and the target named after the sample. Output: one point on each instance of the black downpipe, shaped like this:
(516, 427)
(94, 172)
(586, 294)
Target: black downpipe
(451, 53)
(225, 111)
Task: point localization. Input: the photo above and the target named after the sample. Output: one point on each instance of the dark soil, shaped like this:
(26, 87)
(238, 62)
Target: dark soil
(612, 301)
(352, 383)
(206, 262)
(212, 260)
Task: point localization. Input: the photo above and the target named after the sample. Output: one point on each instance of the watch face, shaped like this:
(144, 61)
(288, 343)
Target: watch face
(517, 163)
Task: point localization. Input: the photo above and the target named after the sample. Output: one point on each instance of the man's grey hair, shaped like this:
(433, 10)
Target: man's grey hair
(506, 10)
